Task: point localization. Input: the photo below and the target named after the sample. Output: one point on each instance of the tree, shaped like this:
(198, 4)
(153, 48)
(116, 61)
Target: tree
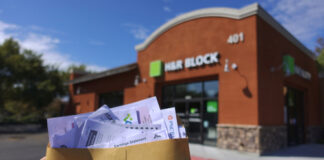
(73, 67)
(81, 67)
(320, 51)
(27, 86)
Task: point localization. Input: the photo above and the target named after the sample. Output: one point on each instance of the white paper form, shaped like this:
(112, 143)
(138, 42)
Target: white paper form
(97, 132)
(145, 137)
(169, 116)
(103, 114)
(113, 127)
(142, 112)
(182, 132)
(59, 127)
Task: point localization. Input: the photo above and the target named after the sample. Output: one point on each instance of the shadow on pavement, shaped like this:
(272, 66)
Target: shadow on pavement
(306, 150)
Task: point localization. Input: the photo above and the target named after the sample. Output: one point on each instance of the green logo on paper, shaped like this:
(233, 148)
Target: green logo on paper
(156, 68)
(288, 65)
(212, 106)
(128, 119)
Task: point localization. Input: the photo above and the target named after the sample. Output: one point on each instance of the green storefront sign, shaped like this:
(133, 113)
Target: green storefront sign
(212, 106)
(290, 68)
(156, 68)
(289, 65)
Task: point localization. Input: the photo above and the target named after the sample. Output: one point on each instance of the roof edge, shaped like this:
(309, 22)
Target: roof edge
(283, 31)
(207, 12)
(252, 9)
(109, 72)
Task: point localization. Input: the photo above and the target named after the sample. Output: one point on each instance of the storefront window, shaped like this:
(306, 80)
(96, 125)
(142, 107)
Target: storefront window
(211, 89)
(111, 99)
(168, 92)
(191, 90)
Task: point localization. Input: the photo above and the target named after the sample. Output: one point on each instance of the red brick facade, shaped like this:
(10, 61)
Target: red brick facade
(262, 50)
(252, 95)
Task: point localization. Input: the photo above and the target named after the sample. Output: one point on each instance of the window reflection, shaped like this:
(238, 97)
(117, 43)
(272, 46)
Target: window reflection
(193, 90)
(211, 89)
(180, 90)
(111, 99)
(190, 89)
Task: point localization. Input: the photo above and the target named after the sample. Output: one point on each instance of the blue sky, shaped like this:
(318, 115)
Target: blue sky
(102, 33)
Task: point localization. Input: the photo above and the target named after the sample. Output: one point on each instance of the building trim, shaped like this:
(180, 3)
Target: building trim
(110, 72)
(253, 9)
(247, 125)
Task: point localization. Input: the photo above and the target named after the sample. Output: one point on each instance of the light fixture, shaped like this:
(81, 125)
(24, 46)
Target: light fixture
(137, 80)
(234, 66)
(226, 69)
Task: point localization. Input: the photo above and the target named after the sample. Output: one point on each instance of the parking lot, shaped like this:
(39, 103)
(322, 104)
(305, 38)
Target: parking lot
(23, 146)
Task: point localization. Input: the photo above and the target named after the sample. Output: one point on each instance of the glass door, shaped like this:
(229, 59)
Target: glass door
(294, 107)
(194, 120)
(190, 114)
(210, 119)
(196, 105)
(182, 112)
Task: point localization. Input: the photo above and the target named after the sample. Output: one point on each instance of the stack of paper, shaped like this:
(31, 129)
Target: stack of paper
(135, 123)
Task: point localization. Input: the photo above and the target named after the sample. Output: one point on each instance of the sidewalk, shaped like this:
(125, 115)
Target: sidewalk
(301, 152)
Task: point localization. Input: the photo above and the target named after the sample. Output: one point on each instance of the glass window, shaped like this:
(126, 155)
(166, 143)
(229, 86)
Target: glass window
(180, 108)
(211, 89)
(194, 89)
(111, 99)
(167, 104)
(180, 91)
(194, 108)
(190, 89)
(168, 92)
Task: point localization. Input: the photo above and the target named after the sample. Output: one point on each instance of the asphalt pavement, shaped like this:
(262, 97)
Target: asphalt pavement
(30, 146)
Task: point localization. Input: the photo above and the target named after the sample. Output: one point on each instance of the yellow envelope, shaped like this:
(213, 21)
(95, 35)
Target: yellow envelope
(172, 149)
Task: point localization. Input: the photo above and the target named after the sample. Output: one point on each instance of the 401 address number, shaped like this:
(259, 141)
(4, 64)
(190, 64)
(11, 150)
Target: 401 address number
(235, 38)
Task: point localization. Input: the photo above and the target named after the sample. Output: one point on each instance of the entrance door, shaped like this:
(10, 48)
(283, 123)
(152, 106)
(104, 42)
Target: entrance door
(196, 104)
(190, 115)
(210, 118)
(294, 107)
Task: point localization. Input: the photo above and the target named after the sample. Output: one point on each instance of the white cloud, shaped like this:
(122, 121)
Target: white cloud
(39, 43)
(303, 18)
(167, 9)
(43, 44)
(5, 30)
(138, 31)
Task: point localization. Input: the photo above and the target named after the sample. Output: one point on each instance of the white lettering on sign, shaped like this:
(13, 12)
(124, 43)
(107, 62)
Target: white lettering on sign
(173, 66)
(200, 60)
(235, 38)
(302, 73)
(191, 62)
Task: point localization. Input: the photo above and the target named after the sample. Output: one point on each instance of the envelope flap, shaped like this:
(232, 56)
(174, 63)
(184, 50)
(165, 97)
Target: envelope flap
(175, 149)
(85, 154)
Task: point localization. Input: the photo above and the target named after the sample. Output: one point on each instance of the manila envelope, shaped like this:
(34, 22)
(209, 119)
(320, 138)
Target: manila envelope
(172, 149)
